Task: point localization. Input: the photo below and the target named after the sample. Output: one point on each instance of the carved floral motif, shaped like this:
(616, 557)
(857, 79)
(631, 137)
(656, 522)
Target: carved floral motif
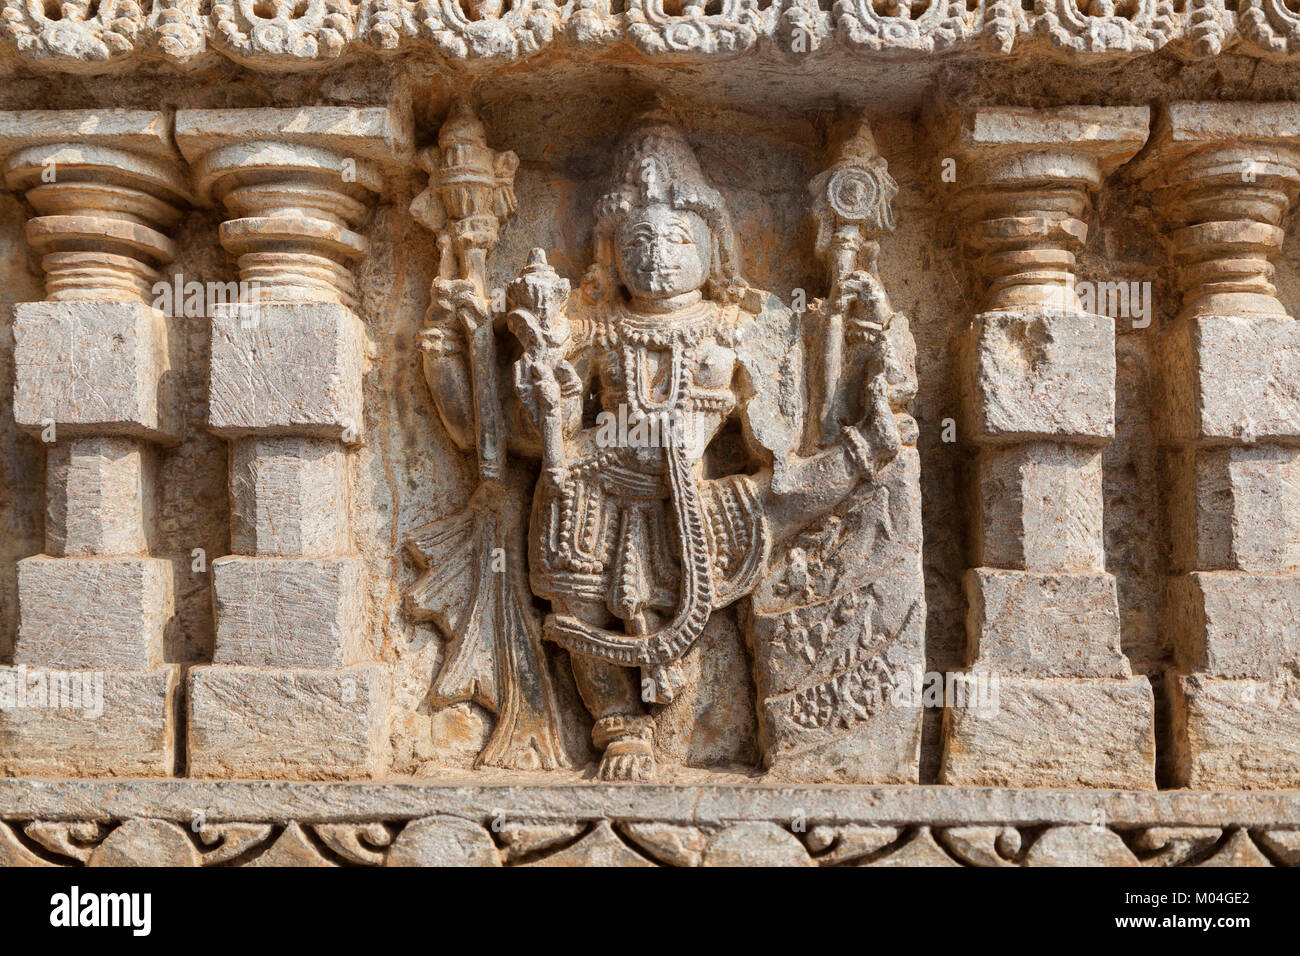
(488, 29)
(688, 27)
(457, 841)
(1099, 26)
(85, 36)
(902, 25)
(291, 30)
(72, 32)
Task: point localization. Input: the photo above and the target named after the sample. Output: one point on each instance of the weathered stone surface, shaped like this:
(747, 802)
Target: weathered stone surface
(377, 133)
(1232, 624)
(1042, 375)
(1080, 846)
(444, 841)
(920, 850)
(1231, 378)
(287, 723)
(601, 847)
(293, 848)
(287, 612)
(755, 844)
(1236, 508)
(287, 369)
(98, 497)
(1236, 733)
(1056, 733)
(146, 843)
(107, 723)
(107, 613)
(288, 496)
(1040, 507)
(1044, 625)
(91, 368)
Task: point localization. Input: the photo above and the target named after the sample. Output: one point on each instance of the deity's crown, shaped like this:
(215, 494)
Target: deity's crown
(655, 158)
(654, 164)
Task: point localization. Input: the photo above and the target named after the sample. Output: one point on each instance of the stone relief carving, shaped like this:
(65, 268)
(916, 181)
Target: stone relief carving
(610, 550)
(84, 37)
(73, 32)
(476, 587)
(488, 29)
(512, 828)
(1104, 25)
(656, 28)
(316, 29)
(928, 26)
(638, 531)
(178, 30)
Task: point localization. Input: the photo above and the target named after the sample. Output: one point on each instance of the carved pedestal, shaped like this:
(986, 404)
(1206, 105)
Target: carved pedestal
(92, 693)
(1231, 428)
(294, 689)
(1039, 372)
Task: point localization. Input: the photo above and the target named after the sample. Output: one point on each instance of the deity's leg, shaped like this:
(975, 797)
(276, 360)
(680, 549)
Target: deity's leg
(623, 730)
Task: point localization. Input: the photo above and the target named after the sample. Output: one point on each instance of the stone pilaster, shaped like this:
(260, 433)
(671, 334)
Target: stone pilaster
(294, 689)
(1223, 176)
(91, 692)
(1039, 378)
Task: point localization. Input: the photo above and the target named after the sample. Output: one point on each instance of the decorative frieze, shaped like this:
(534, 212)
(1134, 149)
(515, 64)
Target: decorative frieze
(280, 36)
(197, 823)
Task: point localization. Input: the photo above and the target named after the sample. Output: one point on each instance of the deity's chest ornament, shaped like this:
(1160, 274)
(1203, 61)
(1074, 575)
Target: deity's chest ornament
(667, 363)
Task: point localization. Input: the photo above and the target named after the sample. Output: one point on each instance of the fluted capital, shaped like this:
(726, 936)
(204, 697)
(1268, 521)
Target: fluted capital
(106, 186)
(1025, 183)
(297, 184)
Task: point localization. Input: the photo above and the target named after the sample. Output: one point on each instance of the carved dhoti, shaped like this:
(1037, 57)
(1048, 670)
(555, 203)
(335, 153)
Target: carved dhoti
(664, 542)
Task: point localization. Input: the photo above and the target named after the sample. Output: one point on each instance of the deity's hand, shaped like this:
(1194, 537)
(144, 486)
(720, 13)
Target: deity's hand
(462, 298)
(861, 296)
(538, 380)
(878, 426)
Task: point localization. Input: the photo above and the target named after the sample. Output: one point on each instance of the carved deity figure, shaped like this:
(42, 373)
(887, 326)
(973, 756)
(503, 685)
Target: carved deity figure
(666, 401)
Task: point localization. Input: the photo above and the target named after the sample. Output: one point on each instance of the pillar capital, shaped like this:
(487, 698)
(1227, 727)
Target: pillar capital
(1026, 181)
(296, 184)
(106, 186)
(1223, 176)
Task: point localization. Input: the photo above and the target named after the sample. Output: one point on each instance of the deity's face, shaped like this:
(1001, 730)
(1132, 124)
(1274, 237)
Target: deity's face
(663, 253)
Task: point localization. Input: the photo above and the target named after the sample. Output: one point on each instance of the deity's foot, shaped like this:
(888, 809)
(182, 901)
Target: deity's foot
(628, 760)
(629, 752)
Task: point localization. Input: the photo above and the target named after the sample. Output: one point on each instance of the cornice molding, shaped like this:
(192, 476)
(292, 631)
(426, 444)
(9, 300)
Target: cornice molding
(279, 36)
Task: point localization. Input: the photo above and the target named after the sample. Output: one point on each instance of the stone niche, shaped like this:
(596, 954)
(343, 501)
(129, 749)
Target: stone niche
(756, 433)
